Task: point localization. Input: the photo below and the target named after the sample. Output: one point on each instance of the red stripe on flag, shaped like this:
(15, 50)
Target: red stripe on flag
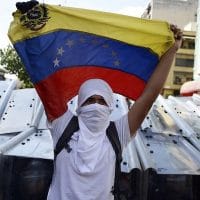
(56, 90)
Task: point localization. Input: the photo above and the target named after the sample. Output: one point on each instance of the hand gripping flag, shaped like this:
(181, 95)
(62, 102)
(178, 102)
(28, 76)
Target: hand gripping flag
(61, 47)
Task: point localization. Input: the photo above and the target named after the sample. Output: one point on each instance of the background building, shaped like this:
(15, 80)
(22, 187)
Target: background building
(182, 67)
(184, 14)
(196, 70)
(180, 12)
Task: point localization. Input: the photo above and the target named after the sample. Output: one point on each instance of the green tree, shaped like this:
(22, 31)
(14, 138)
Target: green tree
(13, 64)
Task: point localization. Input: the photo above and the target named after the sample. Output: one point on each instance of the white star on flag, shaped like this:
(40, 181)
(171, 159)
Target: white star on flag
(69, 43)
(56, 62)
(117, 63)
(60, 51)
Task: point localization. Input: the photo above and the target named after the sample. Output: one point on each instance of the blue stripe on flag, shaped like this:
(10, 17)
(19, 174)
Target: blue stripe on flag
(46, 54)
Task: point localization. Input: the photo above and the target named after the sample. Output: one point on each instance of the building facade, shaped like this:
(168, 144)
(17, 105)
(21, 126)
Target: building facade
(182, 67)
(180, 12)
(184, 14)
(196, 70)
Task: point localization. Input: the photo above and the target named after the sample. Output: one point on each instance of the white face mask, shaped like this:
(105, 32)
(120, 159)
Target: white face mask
(95, 116)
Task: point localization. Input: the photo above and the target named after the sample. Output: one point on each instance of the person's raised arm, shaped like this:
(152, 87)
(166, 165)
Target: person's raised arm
(143, 104)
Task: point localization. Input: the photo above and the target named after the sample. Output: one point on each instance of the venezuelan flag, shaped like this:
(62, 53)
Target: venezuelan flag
(61, 47)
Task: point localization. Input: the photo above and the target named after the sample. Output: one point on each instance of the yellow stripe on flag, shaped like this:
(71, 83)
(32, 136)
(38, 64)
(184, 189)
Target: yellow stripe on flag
(155, 35)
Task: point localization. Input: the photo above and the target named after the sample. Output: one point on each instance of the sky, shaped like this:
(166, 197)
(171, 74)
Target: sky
(127, 7)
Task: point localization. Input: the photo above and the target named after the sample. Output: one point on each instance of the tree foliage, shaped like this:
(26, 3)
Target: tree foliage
(13, 64)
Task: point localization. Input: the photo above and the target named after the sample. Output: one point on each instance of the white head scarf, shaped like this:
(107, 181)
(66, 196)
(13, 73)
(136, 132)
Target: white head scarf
(90, 147)
(95, 87)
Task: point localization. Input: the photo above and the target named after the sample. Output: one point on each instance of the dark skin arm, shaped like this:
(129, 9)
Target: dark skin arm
(141, 107)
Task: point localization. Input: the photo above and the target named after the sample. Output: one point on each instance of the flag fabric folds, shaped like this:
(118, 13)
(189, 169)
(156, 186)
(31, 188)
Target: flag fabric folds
(61, 47)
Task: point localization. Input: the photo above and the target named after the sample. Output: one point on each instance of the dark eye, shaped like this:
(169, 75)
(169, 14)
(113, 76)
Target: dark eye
(102, 102)
(89, 101)
(93, 100)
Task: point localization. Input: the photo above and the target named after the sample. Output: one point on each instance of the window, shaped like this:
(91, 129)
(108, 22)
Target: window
(182, 77)
(184, 62)
(188, 43)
